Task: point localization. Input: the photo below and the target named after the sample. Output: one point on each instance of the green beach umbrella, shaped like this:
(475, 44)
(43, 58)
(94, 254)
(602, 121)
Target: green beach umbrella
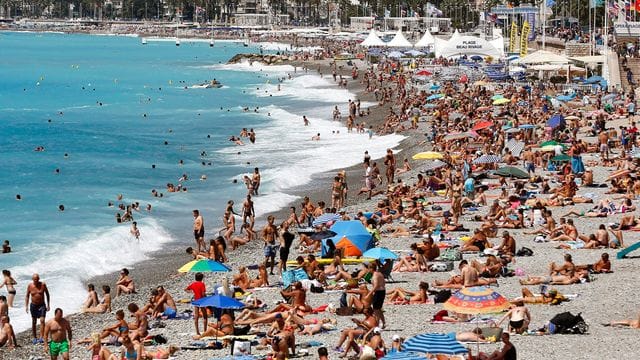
(510, 171)
(204, 265)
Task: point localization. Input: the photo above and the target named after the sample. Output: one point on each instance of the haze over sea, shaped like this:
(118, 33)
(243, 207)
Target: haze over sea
(112, 103)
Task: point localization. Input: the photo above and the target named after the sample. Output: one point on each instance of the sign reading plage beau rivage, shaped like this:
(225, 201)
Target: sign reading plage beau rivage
(627, 28)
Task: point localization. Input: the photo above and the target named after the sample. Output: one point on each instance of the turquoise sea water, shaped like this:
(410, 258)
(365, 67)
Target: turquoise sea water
(109, 104)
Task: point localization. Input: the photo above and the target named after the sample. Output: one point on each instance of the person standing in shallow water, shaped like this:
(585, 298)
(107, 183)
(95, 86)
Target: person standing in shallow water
(255, 180)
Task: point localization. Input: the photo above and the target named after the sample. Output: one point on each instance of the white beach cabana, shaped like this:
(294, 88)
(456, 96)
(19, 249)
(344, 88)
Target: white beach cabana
(542, 57)
(373, 40)
(399, 41)
(426, 41)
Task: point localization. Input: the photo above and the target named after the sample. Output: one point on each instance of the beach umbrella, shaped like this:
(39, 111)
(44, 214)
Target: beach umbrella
(555, 121)
(435, 164)
(512, 130)
(435, 97)
(510, 171)
(571, 117)
(480, 83)
(219, 302)
(497, 96)
(483, 108)
(427, 155)
(549, 143)
(434, 344)
(204, 265)
(463, 79)
(325, 218)
(501, 101)
(482, 125)
(395, 54)
(515, 147)
(380, 253)
(404, 355)
(548, 148)
(434, 87)
(414, 53)
(609, 97)
(476, 58)
(487, 159)
(324, 234)
(424, 73)
(527, 126)
(476, 300)
(351, 236)
(561, 158)
(458, 136)
(523, 103)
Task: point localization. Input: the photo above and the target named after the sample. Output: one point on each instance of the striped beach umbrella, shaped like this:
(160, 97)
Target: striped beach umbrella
(435, 164)
(487, 159)
(204, 265)
(404, 355)
(325, 218)
(515, 147)
(476, 300)
(434, 344)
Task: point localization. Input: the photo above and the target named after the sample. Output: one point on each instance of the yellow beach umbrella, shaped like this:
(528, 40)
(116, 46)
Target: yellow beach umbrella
(428, 155)
(501, 101)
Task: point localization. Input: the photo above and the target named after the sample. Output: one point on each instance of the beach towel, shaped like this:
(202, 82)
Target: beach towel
(291, 276)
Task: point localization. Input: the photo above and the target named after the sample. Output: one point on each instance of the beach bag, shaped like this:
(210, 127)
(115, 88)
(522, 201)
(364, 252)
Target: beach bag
(524, 251)
(344, 311)
(240, 347)
(442, 296)
(567, 323)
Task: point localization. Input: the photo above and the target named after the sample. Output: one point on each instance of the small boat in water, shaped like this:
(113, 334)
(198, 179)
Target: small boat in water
(213, 84)
(177, 42)
(144, 41)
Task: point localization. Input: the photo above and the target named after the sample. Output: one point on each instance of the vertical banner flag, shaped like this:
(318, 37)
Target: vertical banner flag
(531, 19)
(524, 43)
(513, 37)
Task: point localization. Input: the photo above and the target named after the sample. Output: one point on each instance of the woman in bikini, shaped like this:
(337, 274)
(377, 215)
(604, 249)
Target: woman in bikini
(402, 296)
(9, 282)
(223, 327)
(131, 350)
(104, 305)
(262, 279)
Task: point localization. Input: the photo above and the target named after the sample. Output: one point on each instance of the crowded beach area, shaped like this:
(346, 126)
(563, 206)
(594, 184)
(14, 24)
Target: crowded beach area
(501, 227)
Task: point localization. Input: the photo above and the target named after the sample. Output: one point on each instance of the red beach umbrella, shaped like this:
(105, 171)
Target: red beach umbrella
(482, 125)
(424, 73)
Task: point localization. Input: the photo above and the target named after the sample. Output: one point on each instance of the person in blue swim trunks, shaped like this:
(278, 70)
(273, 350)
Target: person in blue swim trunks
(165, 305)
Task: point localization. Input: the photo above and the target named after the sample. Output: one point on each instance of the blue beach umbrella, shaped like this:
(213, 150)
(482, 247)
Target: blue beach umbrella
(325, 218)
(497, 96)
(380, 253)
(219, 302)
(404, 355)
(527, 126)
(435, 97)
(434, 344)
(395, 54)
(555, 121)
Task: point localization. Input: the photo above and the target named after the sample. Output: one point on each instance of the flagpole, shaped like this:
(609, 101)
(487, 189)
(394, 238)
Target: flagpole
(544, 23)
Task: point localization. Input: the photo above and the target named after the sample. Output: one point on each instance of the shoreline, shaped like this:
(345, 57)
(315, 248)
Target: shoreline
(160, 267)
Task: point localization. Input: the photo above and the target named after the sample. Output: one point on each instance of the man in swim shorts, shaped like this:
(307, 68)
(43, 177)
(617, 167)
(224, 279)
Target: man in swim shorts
(37, 291)
(198, 230)
(60, 331)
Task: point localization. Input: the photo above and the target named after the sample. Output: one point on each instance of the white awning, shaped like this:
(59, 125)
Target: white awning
(399, 41)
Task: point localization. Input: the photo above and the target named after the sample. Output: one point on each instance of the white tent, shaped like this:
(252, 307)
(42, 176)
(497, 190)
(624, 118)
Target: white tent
(372, 40)
(426, 41)
(399, 41)
(466, 45)
(542, 57)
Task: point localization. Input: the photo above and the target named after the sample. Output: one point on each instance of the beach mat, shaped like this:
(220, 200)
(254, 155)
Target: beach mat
(624, 252)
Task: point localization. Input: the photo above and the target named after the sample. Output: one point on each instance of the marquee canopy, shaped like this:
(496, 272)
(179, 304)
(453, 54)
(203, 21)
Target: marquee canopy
(466, 45)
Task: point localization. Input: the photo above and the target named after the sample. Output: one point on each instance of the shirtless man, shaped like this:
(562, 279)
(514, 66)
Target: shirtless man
(529, 162)
(378, 293)
(470, 276)
(165, 305)
(248, 211)
(269, 236)
(603, 140)
(198, 230)
(390, 162)
(570, 232)
(255, 180)
(60, 331)
(38, 292)
(7, 335)
(299, 302)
